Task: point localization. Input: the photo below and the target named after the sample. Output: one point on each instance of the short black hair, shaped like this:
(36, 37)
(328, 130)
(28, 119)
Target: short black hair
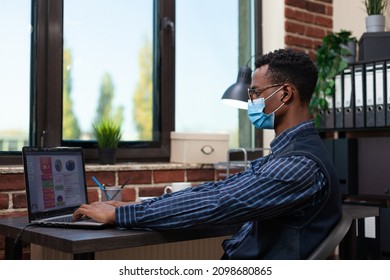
(292, 66)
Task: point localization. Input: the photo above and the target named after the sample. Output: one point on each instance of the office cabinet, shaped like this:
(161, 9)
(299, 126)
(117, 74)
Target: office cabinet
(361, 99)
(345, 161)
(359, 141)
(374, 45)
(344, 155)
(374, 166)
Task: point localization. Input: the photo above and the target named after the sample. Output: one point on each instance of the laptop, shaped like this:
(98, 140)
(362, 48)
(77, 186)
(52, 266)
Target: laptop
(55, 186)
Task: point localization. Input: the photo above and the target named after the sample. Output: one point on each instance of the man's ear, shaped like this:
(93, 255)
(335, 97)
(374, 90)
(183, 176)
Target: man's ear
(287, 93)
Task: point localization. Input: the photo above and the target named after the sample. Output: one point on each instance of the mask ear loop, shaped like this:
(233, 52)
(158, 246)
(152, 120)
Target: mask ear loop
(265, 99)
(279, 107)
(280, 100)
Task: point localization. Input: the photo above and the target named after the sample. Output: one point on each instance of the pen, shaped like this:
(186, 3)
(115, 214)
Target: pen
(101, 187)
(120, 188)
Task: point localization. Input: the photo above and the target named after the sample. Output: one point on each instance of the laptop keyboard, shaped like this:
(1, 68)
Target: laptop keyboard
(64, 219)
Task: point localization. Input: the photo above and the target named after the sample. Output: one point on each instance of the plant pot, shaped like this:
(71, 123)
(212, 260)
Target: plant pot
(375, 23)
(351, 46)
(107, 155)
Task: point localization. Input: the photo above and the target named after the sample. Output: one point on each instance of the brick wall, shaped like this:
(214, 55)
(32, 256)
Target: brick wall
(143, 181)
(306, 22)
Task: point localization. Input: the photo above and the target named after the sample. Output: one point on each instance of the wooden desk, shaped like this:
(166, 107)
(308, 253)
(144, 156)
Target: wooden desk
(361, 211)
(84, 243)
(88, 244)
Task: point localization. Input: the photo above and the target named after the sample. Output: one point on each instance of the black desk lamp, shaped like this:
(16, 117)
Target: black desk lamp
(237, 94)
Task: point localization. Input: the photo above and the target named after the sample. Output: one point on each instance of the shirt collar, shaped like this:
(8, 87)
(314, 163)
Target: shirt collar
(285, 137)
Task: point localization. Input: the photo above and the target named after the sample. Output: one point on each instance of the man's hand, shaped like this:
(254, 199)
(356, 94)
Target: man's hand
(99, 211)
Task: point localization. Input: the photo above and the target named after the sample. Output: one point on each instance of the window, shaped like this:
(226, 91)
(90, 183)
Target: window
(15, 31)
(105, 61)
(82, 49)
(206, 65)
(108, 68)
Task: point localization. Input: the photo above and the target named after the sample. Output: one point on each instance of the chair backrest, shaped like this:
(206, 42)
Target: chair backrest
(329, 244)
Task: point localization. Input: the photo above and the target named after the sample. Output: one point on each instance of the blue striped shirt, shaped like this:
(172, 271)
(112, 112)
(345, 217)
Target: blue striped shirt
(269, 188)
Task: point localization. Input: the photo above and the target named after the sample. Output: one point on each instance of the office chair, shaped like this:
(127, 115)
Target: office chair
(329, 244)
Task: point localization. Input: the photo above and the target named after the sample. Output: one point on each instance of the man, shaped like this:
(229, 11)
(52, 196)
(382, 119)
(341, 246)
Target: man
(287, 201)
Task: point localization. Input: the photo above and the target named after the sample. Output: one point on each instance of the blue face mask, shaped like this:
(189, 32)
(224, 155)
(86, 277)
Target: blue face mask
(256, 113)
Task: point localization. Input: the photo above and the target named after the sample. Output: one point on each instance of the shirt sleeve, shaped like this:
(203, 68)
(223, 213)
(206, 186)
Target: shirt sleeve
(265, 190)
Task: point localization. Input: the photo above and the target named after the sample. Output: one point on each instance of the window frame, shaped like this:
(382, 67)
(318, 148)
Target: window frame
(46, 86)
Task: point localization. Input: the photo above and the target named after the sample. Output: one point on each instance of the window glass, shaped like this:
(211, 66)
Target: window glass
(108, 67)
(15, 31)
(206, 65)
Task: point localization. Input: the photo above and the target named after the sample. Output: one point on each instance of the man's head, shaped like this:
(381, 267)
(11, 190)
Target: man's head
(293, 67)
(286, 80)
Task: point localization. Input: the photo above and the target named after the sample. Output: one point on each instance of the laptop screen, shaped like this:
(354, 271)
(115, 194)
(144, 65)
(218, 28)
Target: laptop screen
(55, 180)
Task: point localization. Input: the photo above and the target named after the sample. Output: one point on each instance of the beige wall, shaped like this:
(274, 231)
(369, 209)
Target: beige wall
(273, 25)
(350, 15)
(273, 38)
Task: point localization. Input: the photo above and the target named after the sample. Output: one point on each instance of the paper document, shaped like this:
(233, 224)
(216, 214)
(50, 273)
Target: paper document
(369, 227)
(358, 88)
(347, 90)
(370, 86)
(379, 86)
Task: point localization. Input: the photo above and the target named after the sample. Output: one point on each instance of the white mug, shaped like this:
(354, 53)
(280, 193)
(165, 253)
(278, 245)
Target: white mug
(174, 187)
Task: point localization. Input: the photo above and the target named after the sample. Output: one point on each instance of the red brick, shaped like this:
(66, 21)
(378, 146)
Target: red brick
(221, 173)
(19, 200)
(298, 41)
(194, 175)
(12, 182)
(150, 191)
(135, 177)
(4, 201)
(105, 178)
(329, 11)
(299, 15)
(14, 214)
(295, 27)
(325, 1)
(128, 194)
(296, 3)
(315, 32)
(315, 7)
(93, 195)
(323, 21)
(162, 176)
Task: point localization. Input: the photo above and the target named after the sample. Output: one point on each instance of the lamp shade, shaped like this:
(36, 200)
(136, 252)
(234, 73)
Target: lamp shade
(237, 94)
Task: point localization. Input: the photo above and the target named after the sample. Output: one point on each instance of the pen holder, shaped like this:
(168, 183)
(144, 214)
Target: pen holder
(112, 193)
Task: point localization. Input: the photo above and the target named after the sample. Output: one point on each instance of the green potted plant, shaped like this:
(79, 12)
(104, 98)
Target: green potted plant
(108, 134)
(331, 59)
(375, 20)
